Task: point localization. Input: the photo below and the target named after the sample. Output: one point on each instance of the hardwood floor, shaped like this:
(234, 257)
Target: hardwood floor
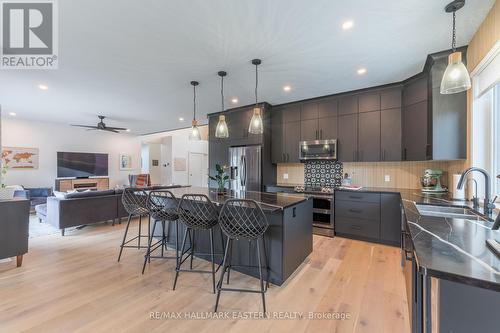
(74, 284)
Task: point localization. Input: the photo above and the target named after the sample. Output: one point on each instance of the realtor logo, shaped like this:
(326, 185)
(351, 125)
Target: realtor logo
(28, 34)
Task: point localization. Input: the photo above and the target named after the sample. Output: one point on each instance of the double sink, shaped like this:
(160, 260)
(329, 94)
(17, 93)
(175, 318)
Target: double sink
(448, 211)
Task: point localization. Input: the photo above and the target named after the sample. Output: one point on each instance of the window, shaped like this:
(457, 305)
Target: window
(485, 148)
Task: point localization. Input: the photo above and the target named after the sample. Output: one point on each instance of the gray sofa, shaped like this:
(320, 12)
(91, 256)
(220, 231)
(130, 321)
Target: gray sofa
(14, 225)
(82, 208)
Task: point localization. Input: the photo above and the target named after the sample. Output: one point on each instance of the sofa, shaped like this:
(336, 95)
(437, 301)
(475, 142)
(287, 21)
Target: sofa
(14, 226)
(82, 208)
(36, 196)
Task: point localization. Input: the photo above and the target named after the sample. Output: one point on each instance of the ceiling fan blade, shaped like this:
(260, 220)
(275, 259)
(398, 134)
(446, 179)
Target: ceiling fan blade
(116, 128)
(85, 126)
(110, 130)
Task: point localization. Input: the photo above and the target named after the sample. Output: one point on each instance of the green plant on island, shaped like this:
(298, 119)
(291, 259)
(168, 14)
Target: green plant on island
(221, 178)
(3, 172)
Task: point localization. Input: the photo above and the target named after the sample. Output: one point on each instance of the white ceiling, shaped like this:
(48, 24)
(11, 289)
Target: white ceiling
(132, 60)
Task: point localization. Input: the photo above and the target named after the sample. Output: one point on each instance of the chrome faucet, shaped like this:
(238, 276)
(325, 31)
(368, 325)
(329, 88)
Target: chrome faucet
(488, 204)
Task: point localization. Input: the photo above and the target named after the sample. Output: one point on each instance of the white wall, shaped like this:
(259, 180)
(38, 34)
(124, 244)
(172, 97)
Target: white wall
(176, 144)
(50, 138)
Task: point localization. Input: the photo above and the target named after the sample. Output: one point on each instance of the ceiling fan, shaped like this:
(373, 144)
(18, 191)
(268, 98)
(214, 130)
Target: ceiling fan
(101, 126)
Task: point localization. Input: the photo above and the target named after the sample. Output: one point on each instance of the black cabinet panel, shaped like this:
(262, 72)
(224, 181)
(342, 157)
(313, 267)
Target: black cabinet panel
(328, 128)
(347, 144)
(292, 137)
(390, 134)
(415, 91)
(390, 98)
(348, 105)
(352, 209)
(373, 197)
(327, 107)
(390, 218)
(369, 137)
(309, 110)
(309, 129)
(369, 101)
(415, 132)
(357, 227)
(291, 113)
(277, 143)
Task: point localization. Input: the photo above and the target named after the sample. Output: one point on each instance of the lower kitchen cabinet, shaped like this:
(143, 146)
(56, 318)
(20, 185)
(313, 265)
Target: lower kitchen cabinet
(371, 216)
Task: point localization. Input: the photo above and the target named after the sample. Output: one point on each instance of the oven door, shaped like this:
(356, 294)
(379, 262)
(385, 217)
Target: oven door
(318, 150)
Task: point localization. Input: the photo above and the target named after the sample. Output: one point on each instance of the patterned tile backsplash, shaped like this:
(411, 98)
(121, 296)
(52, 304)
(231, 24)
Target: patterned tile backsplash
(323, 173)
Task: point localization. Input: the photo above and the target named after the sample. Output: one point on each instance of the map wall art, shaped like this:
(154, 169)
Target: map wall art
(20, 158)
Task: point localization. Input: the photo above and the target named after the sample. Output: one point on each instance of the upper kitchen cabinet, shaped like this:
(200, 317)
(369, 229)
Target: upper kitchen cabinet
(285, 134)
(291, 112)
(277, 135)
(348, 105)
(348, 138)
(369, 101)
(369, 137)
(390, 134)
(308, 111)
(328, 128)
(327, 107)
(391, 98)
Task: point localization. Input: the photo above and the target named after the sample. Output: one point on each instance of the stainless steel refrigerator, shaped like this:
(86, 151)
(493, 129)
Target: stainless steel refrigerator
(245, 168)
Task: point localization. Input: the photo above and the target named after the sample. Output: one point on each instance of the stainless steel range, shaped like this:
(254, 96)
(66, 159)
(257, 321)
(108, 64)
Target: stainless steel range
(323, 203)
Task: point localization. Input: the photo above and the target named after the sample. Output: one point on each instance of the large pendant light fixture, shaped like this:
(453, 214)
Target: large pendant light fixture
(221, 131)
(456, 77)
(256, 125)
(195, 131)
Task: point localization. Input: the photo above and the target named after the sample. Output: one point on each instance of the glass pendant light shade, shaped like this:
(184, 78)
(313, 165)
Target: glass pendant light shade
(456, 77)
(221, 131)
(256, 125)
(195, 131)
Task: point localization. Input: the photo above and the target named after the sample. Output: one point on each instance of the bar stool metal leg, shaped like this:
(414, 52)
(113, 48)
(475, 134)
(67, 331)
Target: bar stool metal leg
(124, 237)
(179, 260)
(213, 258)
(147, 257)
(263, 292)
(224, 263)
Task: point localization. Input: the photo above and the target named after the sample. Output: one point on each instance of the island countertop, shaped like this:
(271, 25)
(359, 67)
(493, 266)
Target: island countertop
(269, 202)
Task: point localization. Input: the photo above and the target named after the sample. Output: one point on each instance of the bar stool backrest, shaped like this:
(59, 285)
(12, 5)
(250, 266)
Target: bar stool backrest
(163, 205)
(198, 211)
(242, 218)
(135, 201)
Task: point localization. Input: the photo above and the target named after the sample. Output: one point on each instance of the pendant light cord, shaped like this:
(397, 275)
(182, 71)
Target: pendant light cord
(454, 38)
(222, 91)
(194, 102)
(256, 83)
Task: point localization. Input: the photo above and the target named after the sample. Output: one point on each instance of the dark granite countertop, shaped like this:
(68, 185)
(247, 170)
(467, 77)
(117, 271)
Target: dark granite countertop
(448, 247)
(270, 202)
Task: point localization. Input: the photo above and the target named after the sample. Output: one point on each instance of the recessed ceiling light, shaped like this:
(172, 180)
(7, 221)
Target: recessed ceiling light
(347, 25)
(181, 119)
(43, 87)
(13, 114)
(234, 100)
(361, 71)
(287, 88)
(127, 130)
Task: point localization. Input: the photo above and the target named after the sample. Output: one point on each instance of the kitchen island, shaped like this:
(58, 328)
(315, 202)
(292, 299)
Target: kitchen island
(288, 238)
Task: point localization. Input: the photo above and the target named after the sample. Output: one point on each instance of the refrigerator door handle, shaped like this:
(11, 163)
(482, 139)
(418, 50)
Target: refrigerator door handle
(243, 170)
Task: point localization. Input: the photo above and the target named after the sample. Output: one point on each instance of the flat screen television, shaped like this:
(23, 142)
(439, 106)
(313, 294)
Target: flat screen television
(81, 165)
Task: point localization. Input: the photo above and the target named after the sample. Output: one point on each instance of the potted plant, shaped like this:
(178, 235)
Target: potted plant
(5, 192)
(221, 178)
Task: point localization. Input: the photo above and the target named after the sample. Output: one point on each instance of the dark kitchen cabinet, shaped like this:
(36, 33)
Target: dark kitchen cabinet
(328, 128)
(415, 132)
(390, 98)
(369, 137)
(347, 144)
(348, 105)
(277, 136)
(327, 107)
(390, 218)
(291, 113)
(390, 134)
(369, 101)
(309, 111)
(291, 142)
(309, 130)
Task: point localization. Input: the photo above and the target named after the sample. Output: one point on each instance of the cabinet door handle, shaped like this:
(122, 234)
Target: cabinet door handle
(321, 134)
(355, 197)
(317, 136)
(404, 154)
(287, 157)
(352, 210)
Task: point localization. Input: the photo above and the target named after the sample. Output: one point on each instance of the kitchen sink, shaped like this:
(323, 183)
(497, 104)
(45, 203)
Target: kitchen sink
(446, 211)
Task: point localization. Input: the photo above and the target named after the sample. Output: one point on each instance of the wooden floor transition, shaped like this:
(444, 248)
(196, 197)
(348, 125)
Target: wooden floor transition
(74, 284)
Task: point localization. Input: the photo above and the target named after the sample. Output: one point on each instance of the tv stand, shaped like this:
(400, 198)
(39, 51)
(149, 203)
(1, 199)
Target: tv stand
(82, 184)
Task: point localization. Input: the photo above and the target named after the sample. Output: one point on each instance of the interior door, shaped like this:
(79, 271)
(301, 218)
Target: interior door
(196, 170)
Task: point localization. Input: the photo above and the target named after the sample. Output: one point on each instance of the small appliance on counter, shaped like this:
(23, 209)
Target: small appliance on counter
(431, 181)
(458, 194)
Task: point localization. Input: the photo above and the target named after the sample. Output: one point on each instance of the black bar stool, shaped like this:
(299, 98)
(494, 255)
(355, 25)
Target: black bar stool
(243, 219)
(198, 213)
(162, 206)
(135, 202)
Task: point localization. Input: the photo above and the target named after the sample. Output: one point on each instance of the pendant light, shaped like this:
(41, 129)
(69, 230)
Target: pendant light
(195, 132)
(256, 125)
(221, 131)
(456, 77)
